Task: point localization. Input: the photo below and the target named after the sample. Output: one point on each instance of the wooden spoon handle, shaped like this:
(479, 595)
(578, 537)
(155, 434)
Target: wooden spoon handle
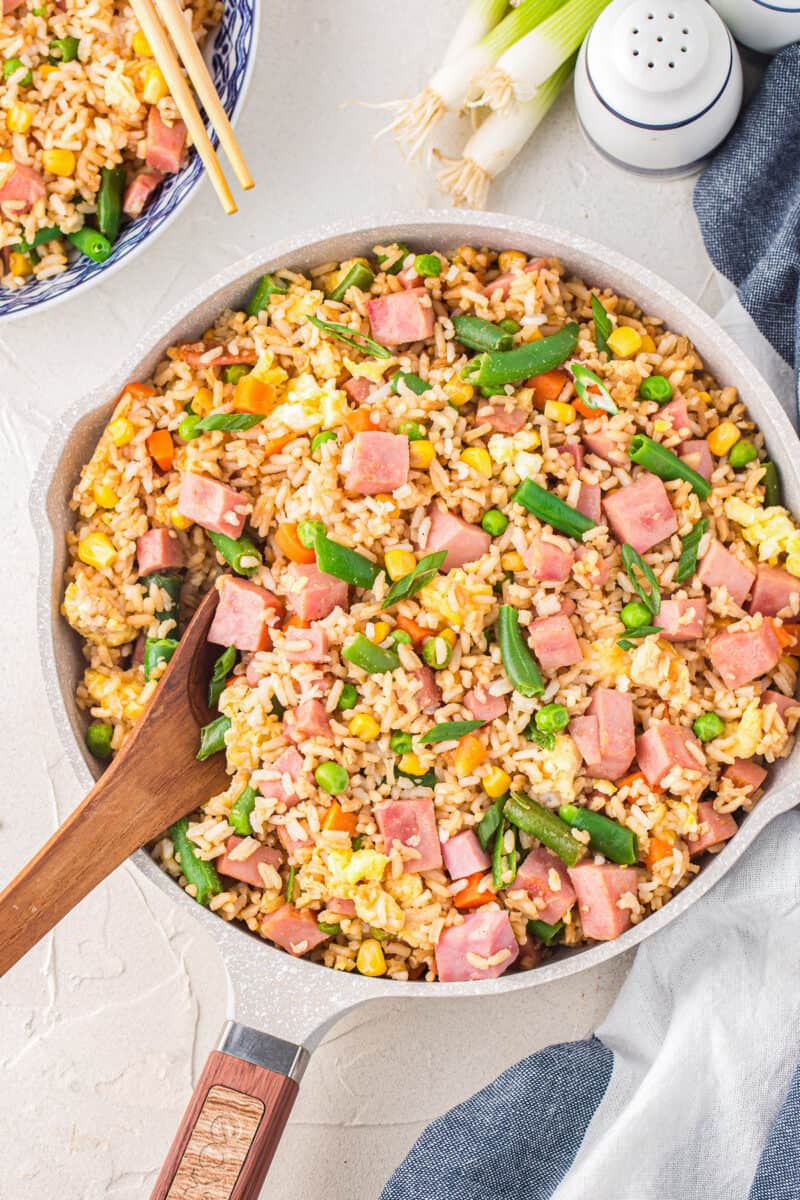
(231, 1129)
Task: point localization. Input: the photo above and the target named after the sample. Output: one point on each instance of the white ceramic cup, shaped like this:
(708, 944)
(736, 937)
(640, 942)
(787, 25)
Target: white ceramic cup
(765, 25)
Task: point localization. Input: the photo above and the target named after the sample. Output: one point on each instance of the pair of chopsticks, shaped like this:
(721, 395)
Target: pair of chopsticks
(174, 23)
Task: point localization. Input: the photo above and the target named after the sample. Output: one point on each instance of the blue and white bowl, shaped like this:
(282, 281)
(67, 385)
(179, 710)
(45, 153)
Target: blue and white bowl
(231, 48)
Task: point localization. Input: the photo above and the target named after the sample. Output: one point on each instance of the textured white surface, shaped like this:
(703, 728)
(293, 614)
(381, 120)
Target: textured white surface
(103, 1026)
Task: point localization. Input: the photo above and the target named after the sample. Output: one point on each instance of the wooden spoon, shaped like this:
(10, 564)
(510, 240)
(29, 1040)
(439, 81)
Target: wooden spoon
(153, 781)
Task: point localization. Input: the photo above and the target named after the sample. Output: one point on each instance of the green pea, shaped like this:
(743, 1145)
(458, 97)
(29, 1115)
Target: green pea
(98, 739)
(332, 778)
(437, 652)
(656, 388)
(412, 430)
(64, 49)
(494, 522)
(708, 726)
(309, 531)
(635, 614)
(552, 718)
(400, 743)
(348, 698)
(236, 372)
(187, 430)
(741, 454)
(400, 637)
(11, 66)
(428, 265)
(319, 439)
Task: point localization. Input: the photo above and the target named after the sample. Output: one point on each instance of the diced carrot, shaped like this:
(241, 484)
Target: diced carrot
(254, 396)
(276, 444)
(358, 420)
(137, 391)
(296, 623)
(160, 447)
(469, 896)
(657, 849)
(547, 386)
(417, 633)
(629, 780)
(289, 543)
(788, 635)
(583, 409)
(468, 755)
(342, 822)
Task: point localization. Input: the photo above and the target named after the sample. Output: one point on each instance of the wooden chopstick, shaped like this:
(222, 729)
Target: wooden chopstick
(173, 17)
(170, 67)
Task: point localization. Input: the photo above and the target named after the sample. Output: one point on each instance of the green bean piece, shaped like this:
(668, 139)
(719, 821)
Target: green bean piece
(229, 422)
(656, 388)
(343, 563)
(348, 697)
(708, 726)
(169, 582)
(414, 383)
(552, 510)
(92, 243)
(109, 201)
(504, 862)
(235, 372)
(400, 743)
(494, 522)
(203, 875)
(156, 651)
(12, 65)
(494, 368)
(361, 652)
(212, 737)
(358, 276)
(259, 301)
(98, 739)
(491, 822)
(533, 818)
(187, 430)
(545, 932)
(662, 462)
(219, 676)
(771, 482)
(351, 337)
(64, 49)
(449, 731)
(40, 238)
(429, 266)
(242, 807)
(616, 842)
(741, 454)
(603, 326)
(477, 334)
(425, 570)
(290, 884)
(519, 664)
(240, 553)
(591, 389)
(690, 543)
(319, 439)
(396, 260)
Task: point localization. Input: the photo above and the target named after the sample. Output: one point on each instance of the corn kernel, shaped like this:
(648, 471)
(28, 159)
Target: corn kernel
(648, 345)
(370, 959)
(704, 397)
(479, 459)
(660, 426)
(793, 564)
(459, 393)
(141, 45)
(96, 550)
(469, 755)
(496, 782)
(365, 727)
(178, 520)
(512, 561)
(389, 502)
(723, 438)
(104, 496)
(421, 454)
(59, 162)
(203, 401)
(155, 85)
(380, 631)
(625, 342)
(5, 156)
(399, 563)
(19, 118)
(46, 70)
(121, 431)
(559, 411)
(19, 265)
(509, 260)
(449, 635)
(410, 764)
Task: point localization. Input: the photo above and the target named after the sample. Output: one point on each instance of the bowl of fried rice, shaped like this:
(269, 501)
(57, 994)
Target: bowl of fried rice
(94, 159)
(509, 594)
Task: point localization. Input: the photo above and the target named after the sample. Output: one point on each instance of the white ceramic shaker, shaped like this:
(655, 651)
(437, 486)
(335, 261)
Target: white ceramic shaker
(765, 25)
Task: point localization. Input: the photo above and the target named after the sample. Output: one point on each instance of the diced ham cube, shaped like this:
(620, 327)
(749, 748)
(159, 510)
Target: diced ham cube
(590, 502)
(641, 514)
(401, 317)
(502, 283)
(744, 655)
(375, 462)
(10, 5)
(605, 735)
(774, 591)
(676, 413)
(306, 645)
(696, 454)
(215, 354)
(291, 845)
(549, 559)
(554, 642)
(664, 746)
(288, 767)
(597, 569)
(22, 187)
(245, 615)
(158, 550)
(744, 773)
(502, 419)
(308, 720)
(412, 823)
(312, 594)
(292, 930)
(428, 695)
(483, 705)
(681, 620)
(719, 827)
(463, 855)
(359, 390)
(246, 869)
(212, 504)
(573, 450)
(463, 542)
(719, 568)
(342, 906)
(139, 191)
(165, 143)
(600, 889)
(408, 277)
(482, 947)
(137, 658)
(611, 448)
(544, 876)
(781, 702)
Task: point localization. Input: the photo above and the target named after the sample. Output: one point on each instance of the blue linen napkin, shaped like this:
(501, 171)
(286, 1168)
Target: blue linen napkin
(748, 204)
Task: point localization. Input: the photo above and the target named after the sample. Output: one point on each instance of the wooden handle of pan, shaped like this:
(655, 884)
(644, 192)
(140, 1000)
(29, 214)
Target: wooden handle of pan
(234, 1121)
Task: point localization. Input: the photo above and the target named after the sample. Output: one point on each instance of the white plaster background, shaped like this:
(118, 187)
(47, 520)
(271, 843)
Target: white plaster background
(104, 1025)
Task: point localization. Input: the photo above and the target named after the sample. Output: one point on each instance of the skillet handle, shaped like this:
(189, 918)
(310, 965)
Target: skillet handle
(237, 1113)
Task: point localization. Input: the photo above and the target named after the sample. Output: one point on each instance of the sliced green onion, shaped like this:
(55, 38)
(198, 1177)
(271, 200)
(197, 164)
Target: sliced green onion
(551, 510)
(491, 822)
(235, 372)
(41, 238)
(198, 873)
(319, 439)
(425, 570)
(650, 595)
(662, 462)
(91, 243)
(331, 930)
(533, 818)
(545, 932)
(290, 884)
(607, 837)
(641, 631)
(428, 780)
(395, 261)
(358, 276)
(242, 807)
(64, 49)
(240, 553)
(229, 422)
(219, 676)
(344, 563)
(212, 737)
(690, 544)
(412, 430)
(495, 368)
(98, 739)
(591, 389)
(351, 337)
(259, 301)
(157, 651)
(603, 325)
(413, 382)
(504, 862)
(477, 334)
(361, 652)
(448, 731)
(428, 265)
(519, 664)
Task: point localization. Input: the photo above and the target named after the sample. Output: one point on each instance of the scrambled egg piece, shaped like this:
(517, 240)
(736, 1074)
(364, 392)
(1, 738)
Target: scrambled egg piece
(351, 866)
(98, 619)
(120, 93)
(560, 767)
(743, 739)
(606, 660)
(122, 696)
(770, 530)
(371, 369)
(267, 371)
(656, 665)
(455, 596)
(302, 304)
(308, 406)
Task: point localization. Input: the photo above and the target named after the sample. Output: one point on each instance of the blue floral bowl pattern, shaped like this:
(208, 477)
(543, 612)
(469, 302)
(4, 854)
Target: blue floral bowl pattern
(231, 56)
